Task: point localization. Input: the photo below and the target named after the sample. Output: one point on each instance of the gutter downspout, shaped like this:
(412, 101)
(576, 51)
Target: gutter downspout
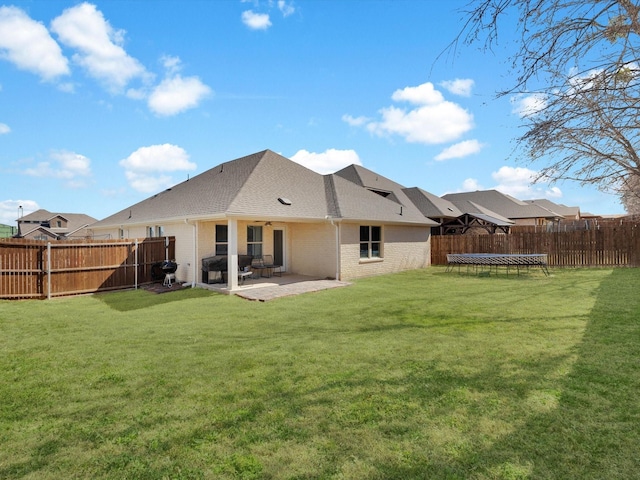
(337, 229)
(195, 244)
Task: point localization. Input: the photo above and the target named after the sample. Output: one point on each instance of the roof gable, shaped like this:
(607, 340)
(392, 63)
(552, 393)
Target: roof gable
(357, 203)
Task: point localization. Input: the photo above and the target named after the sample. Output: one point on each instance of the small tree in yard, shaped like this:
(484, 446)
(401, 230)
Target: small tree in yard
(578, 62)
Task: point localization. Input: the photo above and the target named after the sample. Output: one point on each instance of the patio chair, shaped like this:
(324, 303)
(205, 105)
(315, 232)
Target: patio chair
(273, 268)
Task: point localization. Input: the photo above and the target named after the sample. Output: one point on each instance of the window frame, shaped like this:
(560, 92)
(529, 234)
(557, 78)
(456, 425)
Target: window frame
(371, 242)
(255, 244)
(221, 242)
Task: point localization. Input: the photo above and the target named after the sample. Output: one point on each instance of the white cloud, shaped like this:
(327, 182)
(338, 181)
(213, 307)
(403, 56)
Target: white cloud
(424, 94)
(459, 86)
(144, 168)
(510, 175)
(73, 164)
(518, 182)
(146, 183)
(528, 105)
(434, 120)
(256, 21)
(4, 129)
(28, 45)
(286, 8)
(85, 29)
(471, 185)
(459, 150)
(9, 210)
(355, 121)
(71, 167)
(171, 64)
(177, 94)
(329, 161)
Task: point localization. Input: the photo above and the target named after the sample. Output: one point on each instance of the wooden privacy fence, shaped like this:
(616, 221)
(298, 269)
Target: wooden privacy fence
(610, 246)
(37, 269)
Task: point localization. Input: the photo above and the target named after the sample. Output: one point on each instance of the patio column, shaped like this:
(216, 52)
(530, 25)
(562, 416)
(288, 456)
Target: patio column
(232, 256)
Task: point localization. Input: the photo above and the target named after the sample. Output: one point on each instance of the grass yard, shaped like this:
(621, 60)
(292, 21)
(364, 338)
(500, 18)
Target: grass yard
(423, 374)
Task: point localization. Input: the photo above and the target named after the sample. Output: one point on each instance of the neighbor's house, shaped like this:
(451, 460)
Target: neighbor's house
(44, 225)
(492, 203)
(564, 212)
(326, 226)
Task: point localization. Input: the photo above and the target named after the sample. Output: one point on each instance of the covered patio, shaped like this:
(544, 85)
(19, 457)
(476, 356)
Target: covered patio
(263, 289)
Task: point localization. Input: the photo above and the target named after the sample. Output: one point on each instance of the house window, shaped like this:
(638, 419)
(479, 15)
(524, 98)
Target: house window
(254, 241)
(159, 231)
(370, 241)
(222, 240)
(149, 232)
(121, 233)
(59, 222)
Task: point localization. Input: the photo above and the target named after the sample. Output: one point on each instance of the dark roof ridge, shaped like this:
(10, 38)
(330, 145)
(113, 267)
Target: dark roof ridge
(333, 207)
(260, 157)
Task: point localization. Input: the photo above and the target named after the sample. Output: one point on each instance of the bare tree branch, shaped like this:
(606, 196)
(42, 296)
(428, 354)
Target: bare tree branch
(581, 59)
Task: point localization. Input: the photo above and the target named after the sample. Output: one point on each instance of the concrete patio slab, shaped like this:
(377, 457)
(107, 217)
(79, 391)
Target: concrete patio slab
(265, 289)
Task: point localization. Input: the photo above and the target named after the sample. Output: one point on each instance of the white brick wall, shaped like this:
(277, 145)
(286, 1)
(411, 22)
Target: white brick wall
(404, 248)
(313, 249)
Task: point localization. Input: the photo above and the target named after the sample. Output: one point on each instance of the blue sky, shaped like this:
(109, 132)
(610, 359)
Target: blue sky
(105, 103)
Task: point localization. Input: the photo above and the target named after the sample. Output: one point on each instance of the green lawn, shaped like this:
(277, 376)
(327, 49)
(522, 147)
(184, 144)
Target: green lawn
(423, 374)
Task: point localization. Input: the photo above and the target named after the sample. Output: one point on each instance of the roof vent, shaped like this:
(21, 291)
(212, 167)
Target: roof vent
(284, 201)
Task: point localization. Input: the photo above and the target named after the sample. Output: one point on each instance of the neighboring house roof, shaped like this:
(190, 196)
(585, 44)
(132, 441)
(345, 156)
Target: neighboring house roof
(43, 219)
(264, 185)
(504, 205)
(39, 231)
(557, 208)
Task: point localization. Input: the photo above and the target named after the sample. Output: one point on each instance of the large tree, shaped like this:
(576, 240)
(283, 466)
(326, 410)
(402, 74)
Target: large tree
(580, 61)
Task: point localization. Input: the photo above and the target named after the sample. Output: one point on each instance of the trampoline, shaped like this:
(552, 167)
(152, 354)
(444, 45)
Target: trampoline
(496, 260)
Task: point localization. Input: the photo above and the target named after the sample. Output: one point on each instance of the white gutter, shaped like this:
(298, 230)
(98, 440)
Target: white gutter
(195, 254)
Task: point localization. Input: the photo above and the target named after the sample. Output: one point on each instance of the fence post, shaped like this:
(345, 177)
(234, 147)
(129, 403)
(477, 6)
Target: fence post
(136, 265)
(48, 270)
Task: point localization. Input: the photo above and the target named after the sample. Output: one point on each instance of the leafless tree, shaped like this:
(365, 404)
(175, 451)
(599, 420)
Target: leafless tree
(630, 194)
(580, 61)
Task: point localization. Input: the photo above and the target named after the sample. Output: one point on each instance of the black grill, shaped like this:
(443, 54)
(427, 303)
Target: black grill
(218, 263)
(160, 269)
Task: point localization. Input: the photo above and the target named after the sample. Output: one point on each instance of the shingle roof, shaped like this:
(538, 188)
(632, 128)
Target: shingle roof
(357, 203)
(499, 203)
(374, 182)
(431, 205)
(251, 186)
(557, 208)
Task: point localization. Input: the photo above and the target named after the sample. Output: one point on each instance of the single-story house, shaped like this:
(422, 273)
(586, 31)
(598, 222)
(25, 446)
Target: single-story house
(326, 226)
(45, 225)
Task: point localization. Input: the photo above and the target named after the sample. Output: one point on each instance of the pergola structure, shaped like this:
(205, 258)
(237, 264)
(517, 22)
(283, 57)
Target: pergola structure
(461, 224)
